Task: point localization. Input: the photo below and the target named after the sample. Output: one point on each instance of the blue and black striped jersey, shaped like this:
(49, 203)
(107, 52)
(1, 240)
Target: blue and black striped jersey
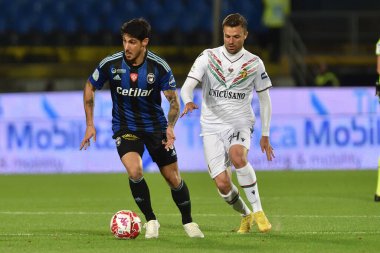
(135, 91)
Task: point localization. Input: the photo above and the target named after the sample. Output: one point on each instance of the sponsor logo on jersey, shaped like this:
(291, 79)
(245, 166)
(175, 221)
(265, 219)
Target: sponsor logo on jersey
(226, 94)
(117, 77)
(133, 76)
(150, 78)
(133, 92)
(118, 71)
(130, 137)
(171, 81)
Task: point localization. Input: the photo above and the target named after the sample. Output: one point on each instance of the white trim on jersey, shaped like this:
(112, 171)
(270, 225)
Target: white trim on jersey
(110, 58)
(159, 60)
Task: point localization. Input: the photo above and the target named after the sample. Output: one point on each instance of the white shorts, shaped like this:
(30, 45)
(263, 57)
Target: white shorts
(216, 147)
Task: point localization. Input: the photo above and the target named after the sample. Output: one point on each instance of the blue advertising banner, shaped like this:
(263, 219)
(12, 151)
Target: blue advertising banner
(311, 129)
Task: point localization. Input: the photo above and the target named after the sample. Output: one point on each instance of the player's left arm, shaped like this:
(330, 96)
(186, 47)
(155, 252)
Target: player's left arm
(265, 115)
(173, 114)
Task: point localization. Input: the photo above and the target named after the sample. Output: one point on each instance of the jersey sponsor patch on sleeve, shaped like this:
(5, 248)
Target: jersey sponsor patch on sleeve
(95, 75)
(264, 75)
(172, 81)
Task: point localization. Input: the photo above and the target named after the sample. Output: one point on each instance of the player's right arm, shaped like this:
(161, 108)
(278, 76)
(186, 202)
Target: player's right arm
(89, 104)
(195, 75)
(94, 82)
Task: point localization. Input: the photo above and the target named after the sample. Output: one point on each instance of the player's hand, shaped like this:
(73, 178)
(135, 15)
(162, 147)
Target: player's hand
(170, 138)
(189, 107)
(90, 133)
(266, 147)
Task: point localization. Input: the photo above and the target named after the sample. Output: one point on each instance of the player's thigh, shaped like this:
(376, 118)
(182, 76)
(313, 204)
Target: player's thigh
(130, 148)
(238, 142)
(215, 154)
(161, 156)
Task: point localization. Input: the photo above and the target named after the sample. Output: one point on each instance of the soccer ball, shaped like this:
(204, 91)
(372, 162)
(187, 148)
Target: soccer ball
(125, 224)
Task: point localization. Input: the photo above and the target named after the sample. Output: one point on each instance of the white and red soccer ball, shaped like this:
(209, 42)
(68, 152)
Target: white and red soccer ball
(125, 224)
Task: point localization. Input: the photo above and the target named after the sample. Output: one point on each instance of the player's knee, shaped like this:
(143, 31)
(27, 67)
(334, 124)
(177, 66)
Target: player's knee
(224, 187)
(173, 181)
(238, 157)
(135, 173)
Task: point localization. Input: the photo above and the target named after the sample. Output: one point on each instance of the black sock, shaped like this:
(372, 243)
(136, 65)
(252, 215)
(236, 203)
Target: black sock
(140, 192)
(181, 198)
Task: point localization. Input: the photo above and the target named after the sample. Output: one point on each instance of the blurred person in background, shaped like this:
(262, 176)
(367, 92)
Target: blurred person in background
(274, 19)
(229, 74)
(324, 76)
(136, 77)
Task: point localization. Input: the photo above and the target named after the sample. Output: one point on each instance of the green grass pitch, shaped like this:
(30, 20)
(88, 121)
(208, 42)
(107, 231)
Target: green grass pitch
(312, 211)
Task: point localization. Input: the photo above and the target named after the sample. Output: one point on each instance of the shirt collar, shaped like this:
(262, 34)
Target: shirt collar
(232, 57)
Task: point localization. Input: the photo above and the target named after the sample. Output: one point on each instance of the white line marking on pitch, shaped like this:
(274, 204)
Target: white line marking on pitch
(280, 232)
(177, 214)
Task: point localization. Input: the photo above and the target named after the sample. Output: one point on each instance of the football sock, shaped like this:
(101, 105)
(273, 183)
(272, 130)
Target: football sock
(140, 192)
(246, 177)
(233, 198)
(181, 197)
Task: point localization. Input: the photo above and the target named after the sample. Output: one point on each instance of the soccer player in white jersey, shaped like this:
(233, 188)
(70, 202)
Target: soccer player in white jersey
(229, 74)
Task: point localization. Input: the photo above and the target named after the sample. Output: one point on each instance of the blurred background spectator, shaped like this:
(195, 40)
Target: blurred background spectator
(275, 15)
(324, 76)
(60, 42)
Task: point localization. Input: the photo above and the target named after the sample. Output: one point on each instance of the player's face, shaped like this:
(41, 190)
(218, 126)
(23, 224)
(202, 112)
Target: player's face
(234, 38)
(134, 49)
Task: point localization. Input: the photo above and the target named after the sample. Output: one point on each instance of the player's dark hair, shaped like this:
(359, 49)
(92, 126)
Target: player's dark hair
(137, 28)
(234, 20)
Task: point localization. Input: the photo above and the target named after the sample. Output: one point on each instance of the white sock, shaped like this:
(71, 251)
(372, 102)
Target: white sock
(233, 198)
(246, 177)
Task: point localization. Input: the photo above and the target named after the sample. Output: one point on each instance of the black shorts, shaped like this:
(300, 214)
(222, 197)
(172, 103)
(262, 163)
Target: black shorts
(130, 141)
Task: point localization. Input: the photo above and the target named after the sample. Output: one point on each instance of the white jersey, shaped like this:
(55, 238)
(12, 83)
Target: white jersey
(378, 47)
(227, 83)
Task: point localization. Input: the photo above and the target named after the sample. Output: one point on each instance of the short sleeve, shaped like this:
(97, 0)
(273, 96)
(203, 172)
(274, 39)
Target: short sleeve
(199, 67)
(168, 82)
(98, 77)
(262, 80)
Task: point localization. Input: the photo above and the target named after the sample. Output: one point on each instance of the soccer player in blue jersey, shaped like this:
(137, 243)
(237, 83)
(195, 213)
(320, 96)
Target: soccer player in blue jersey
(136, 78)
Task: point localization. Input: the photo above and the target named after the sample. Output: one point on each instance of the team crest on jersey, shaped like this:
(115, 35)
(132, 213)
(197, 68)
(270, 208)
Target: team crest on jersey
(150, 78)
(243, 73)
(133, 76)
(118, 141)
